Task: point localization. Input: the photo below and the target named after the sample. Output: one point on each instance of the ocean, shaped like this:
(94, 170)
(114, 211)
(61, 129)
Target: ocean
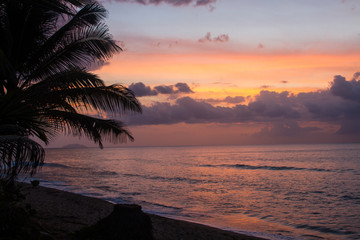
(272, 191)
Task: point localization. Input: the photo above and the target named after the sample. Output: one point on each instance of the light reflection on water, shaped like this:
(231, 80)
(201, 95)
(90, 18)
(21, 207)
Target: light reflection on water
(301, 191)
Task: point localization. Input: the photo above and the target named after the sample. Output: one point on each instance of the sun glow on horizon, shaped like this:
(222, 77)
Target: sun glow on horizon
(242, 71)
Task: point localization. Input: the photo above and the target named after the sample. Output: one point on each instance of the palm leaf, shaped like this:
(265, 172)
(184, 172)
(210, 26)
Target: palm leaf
(23, 29)
(19, 154)
(114, 99)
(82, 47)
(14, 111)
(96, 129)
(77, 88)
(89, 15)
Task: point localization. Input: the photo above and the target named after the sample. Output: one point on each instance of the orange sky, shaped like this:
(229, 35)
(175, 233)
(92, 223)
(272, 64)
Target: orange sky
(220, 74)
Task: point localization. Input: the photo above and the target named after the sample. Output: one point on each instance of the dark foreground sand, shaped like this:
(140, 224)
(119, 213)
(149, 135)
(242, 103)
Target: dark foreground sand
(61, 213)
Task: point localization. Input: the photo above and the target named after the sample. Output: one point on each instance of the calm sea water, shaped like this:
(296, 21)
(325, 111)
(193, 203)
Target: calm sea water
(277, 192)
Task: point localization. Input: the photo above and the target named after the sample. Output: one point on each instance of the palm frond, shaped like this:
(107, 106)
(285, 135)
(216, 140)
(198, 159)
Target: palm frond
(55, 6)
(23, 29)
(115, 99)
(78, 88)
(12, 129)
(19, 154)
(89, 15)
(95, 129)
(67, 79)
(78, 50)
(78, 3)
(14, 111)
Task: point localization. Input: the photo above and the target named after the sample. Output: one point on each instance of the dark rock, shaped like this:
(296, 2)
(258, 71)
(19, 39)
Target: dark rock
(35, 183)
(126, 222)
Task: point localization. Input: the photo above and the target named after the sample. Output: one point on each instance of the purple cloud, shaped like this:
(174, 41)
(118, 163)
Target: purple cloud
(236, 99)
(284, 114)
(204, 2)
(339, 105)
(221, 38)
(164, 89)
(141, 90)
(175, 3)
(183, 88)
(349, 90)
(190, 110)
(228, 99)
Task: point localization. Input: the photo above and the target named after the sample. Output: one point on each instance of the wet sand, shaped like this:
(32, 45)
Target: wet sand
(61, 213)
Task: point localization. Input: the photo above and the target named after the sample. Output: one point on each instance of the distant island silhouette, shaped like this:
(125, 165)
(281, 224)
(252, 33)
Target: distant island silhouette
(74, 146)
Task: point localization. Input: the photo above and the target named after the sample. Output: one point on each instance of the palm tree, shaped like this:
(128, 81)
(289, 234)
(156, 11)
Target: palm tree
(46, 48)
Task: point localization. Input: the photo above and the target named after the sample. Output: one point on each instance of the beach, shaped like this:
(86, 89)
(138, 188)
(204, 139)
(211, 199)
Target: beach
(61, 213)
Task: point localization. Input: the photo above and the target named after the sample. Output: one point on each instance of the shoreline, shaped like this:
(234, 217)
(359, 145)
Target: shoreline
(61, 213)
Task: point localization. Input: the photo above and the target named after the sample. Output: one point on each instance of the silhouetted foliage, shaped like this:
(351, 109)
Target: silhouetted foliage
(17, 221)
(45, 49)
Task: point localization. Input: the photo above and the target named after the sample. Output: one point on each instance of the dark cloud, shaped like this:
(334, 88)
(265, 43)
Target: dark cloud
(349, 126)
(204, 2)
(164, 89)
(265, 86)
(349, 90)
(284, 82)
(175, 3)
(236, 99)
(283, 112)
(221, 38)
(185, 110)
(228, 99)
(268, 107)
(275, 105)
(206, 38)
(141, 90)
(183, 87)
(321, 105)
(189, 110)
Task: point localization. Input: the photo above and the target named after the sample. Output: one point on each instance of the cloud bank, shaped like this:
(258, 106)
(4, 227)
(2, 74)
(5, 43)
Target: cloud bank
(228, 99)
(281, 111)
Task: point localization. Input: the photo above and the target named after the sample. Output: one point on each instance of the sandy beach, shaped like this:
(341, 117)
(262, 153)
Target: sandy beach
(61, 213)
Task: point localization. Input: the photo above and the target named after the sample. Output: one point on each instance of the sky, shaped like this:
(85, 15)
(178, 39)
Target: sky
(215, 72)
